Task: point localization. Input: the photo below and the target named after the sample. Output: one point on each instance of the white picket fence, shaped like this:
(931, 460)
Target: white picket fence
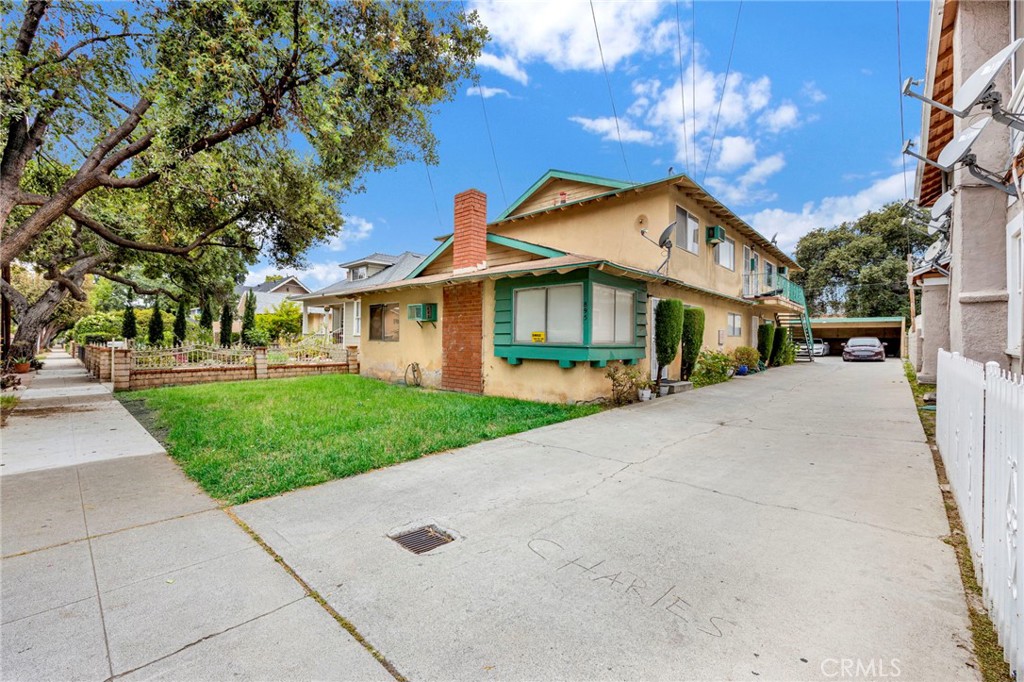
(980, 434)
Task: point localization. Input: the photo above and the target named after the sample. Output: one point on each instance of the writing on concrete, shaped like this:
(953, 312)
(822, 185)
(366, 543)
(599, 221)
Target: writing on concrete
(669, 599)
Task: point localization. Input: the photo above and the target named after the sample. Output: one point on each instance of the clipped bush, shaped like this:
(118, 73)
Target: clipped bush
(668, 331)
(249, 318)
(788, 354)
(626, 381)
(692, 340)
(206, 315)
(712, 368)
(156, 325)
(129, 326)
(180, 324)
(745, 355)
(765, 340)
(225, 325)
(778, 344)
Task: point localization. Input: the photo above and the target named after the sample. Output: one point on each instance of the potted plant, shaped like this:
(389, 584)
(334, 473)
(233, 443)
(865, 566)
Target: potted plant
(22, 365)
(644, 387)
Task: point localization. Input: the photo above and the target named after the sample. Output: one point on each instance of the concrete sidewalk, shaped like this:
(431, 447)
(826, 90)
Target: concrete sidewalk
(781, 526)
(116, 565)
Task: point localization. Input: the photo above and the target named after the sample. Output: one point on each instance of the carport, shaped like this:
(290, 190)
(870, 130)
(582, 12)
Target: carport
(838, 330)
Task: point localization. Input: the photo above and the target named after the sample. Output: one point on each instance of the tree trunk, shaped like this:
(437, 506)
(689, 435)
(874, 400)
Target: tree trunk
(34, 320)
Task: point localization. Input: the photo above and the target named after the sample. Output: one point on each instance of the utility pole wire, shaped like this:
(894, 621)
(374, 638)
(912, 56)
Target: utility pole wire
(611, 97)
(725, 84)
(682, 88)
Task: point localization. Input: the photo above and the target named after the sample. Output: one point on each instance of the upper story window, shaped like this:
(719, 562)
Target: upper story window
(357, 273)
(548, 314)
(1015, 283)
(1017, 28)
(687, 230)
(769, 273)
(725, 254)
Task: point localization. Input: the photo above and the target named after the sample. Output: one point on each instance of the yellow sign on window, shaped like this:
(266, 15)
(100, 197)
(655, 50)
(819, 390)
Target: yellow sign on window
(538, 337)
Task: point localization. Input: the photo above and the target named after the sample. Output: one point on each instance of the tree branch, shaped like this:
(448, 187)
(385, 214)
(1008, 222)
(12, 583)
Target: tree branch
(83, 43)
(18, 302)
(138, 289)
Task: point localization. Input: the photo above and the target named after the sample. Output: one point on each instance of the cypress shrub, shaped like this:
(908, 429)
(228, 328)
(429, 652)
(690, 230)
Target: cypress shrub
(156, 324)
(778, 345)
(206, 316)
(225, 325)
(249, 317)
(668, 330)
(765, 341)
(693, 339)
(129, 328)
(180, 324)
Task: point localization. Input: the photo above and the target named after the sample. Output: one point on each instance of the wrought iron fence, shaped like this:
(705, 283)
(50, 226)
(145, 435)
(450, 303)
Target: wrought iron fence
(309, 350)
(191, 355)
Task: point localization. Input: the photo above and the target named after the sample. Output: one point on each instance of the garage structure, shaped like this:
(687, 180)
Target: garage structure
(838, 330)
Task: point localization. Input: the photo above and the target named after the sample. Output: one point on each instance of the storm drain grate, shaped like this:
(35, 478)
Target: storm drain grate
(423, 540)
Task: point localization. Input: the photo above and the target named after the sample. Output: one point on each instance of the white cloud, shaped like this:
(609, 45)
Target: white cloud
(605, 127)
(736, 151)
(486, 92)
(562, 33)
(791, 225)
(506, 66)
(780, 118)
(748, 186)
(316, 276)
(812, 92)
(356, 229)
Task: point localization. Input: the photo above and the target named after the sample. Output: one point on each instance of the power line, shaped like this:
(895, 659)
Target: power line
(903, 134)
(725, 84)
(693, 80)
(437, 209)
(682, 88)
(608, 81)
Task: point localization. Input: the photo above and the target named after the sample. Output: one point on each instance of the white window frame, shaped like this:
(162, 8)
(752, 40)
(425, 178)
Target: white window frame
(359, 273)
(769, 274)
(515, 313)
(734, 326)
(614, 313)
(732, 261)
(689, 232)
(1015, 284)
(357, 319)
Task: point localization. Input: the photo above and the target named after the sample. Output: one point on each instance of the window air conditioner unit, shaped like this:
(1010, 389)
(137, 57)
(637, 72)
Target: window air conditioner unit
(423, 312)
(716, 234)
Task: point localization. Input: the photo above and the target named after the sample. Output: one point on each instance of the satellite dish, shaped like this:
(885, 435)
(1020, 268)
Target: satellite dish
(943, 204)
(939, 225)
(980, 83)
(665, 241)
(935, 251)
(955, 151)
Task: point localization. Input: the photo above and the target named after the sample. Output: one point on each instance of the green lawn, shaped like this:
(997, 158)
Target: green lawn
(251, 439)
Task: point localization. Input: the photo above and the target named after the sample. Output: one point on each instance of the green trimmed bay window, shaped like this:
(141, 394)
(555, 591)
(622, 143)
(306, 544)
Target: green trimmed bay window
(580, 316)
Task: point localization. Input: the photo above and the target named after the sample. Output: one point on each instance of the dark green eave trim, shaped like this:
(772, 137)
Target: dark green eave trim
(535, 249)
(561, 175)
(431, 258)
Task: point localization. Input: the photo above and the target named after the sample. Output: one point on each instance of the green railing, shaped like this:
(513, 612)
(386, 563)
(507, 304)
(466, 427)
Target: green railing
(764, 285)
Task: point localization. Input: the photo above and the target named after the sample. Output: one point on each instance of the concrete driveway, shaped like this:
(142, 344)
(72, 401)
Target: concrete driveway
(780, 526)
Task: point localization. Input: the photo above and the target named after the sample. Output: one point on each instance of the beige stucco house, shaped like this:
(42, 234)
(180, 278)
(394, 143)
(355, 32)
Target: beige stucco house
(972, 296)
(536, 303)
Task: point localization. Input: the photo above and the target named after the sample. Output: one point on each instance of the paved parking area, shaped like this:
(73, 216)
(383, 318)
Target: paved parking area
(773, 527)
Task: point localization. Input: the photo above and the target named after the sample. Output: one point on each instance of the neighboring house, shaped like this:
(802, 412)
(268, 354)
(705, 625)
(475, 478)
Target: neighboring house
(973, 297)
(272, 293)
(344, 310)
(536, 303)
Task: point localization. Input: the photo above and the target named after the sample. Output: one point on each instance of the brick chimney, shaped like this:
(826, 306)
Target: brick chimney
(470, 247)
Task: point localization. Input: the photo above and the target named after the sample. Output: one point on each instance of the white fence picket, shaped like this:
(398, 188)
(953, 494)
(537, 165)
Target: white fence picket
(980, 434)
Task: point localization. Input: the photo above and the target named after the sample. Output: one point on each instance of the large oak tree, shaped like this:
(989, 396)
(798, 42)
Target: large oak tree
(161, 138)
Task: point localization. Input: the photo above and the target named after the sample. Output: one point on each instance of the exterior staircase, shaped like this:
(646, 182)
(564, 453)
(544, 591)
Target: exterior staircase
(799, 326)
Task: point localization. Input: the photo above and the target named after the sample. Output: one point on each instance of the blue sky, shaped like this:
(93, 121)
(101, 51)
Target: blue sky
(808, 135)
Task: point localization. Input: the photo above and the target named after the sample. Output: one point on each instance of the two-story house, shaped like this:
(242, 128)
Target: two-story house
(343, 310)
(536, 303)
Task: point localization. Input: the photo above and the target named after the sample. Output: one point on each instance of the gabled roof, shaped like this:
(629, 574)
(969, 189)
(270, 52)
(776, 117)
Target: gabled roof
(374, 259)
(268, 286)
(561, 175)
(535, 249)
(404, 264)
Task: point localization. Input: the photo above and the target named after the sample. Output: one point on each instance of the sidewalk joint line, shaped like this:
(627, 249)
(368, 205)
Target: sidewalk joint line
(95, 579)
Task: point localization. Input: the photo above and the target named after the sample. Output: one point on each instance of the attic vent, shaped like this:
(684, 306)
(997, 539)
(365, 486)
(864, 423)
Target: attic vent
(422, 540)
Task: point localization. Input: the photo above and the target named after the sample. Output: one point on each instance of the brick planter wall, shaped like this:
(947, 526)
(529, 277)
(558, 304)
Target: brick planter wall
(462, 342)
(153, 378)
(283, 371)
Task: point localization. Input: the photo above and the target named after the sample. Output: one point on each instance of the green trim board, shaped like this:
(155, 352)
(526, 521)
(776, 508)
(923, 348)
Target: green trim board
(855, 320)
(536, 249)
(561, 175)
(566, 354)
